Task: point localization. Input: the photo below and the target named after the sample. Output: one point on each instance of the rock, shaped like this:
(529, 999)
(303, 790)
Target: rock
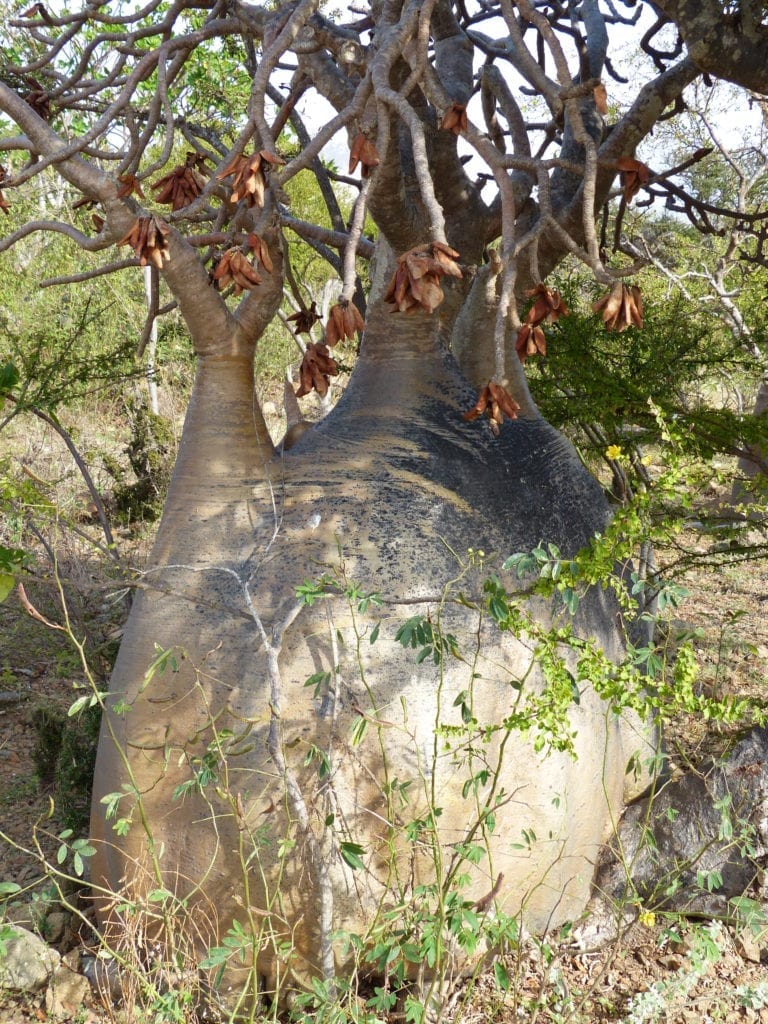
(28, 963)
(748, 945)
(9, 697)
(700, 841)
(66, 992)
(27, 915)
(103, 975)
(54, 926)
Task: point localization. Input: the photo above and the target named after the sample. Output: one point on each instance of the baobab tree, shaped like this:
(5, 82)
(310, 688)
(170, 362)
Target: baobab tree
(292, 767)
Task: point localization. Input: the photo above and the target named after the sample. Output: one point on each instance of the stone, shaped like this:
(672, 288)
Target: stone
(26, 914)
(54, 926)
(748, 945)
(66, 992)
(28, 962)
(684, 848)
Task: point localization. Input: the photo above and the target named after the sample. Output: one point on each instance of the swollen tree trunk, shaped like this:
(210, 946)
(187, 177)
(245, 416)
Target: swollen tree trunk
(320, 806)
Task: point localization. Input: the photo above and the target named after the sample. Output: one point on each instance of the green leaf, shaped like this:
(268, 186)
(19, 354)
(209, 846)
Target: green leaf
(570, 599)
(374, 633)
(6, 585)
(351, 853)
(9, 888)
(217, 956)
(164, 657)
(159, 895)
(358, 730)
(318, 680)
(87, 701)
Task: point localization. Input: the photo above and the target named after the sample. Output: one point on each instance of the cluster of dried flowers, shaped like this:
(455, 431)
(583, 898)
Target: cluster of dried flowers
(548, 307)
(415, 283)
(234, 268)
(305, 319)
(250, 176)
(184, 184)
(344, 321)
(621, 307)
(633, 175)
(495, 402)
(148, 238)
(455, 119)
(317, 367)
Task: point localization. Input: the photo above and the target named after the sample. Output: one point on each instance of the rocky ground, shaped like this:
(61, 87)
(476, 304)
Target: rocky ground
(658, 969)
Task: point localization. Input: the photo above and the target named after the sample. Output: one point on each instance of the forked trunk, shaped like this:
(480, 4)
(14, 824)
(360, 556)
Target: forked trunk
(318, 820)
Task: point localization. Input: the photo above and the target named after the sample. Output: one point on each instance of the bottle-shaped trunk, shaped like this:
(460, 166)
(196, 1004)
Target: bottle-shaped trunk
(336, 767)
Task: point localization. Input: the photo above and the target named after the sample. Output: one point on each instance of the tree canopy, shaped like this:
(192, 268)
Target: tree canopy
(179, 126)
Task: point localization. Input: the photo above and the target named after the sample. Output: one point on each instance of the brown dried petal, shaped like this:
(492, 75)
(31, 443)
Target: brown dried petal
(496, 402)
(601, 99)
(362, 151)
(129, 184)
(260, 250)
(455, 118)
(317, 367)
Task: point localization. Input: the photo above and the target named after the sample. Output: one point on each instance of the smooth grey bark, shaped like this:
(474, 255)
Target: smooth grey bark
(730, 45)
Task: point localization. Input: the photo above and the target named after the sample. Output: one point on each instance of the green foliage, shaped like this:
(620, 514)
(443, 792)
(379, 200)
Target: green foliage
(11, 562)
(151, 453)
(78, 849)
(421, 633)
(64, 756)
(679, 360)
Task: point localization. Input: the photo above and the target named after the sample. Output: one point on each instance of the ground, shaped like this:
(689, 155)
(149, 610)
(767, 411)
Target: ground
(675, 971)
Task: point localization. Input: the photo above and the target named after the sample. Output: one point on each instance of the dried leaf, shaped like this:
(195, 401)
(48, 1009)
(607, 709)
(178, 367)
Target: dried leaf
(601, 99)
(455, 119)
(363, 152)
(83, 201)
(495, 402)
(317, 367)
(416, 282)
(38, 10)
(37, 97)
(129, 184)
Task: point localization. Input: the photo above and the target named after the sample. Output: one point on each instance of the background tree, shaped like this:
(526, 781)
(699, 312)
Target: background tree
(188, 107)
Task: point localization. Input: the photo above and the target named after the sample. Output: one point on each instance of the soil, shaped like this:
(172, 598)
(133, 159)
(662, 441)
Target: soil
(547, 981)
